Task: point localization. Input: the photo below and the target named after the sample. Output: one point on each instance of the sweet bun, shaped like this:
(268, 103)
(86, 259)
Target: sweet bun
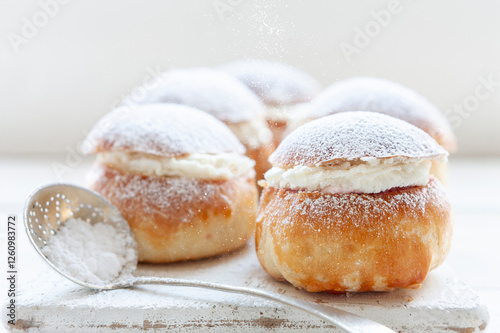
(390, 98)
(349, 205)
(220, 95)
(283, 89)
(178, 176)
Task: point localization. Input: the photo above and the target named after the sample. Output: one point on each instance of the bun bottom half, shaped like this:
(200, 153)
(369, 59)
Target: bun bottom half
(279, 130)
(175, 218)
(353, 242)
(260, 156)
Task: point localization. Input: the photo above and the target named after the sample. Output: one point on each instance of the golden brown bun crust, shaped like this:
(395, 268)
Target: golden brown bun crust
(174, 218)
(279, 129)
(260, 156)
(353, 242)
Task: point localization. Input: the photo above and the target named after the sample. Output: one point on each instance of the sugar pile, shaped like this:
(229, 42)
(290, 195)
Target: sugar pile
(94, 254)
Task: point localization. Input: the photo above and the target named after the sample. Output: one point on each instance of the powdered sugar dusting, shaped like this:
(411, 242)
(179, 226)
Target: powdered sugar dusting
(359, 210)
(206, 89)
(170, 197)
(384, 96)
(275, 83)
(355, 136)
(161, 129)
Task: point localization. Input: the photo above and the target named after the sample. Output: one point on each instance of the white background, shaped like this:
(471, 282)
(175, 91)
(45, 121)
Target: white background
(78, 63)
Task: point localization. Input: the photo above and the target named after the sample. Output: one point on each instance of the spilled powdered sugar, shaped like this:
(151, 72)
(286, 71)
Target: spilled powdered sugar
(209, 90)
(275, 83)
(355, 136)
(92, 253)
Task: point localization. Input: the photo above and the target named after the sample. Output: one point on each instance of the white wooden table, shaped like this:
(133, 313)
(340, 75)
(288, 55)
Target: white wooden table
(474, 184)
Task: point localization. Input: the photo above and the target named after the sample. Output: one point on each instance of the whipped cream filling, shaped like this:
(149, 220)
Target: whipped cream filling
(284, 112)
(202, 166)
(253, 134)
(371, 176)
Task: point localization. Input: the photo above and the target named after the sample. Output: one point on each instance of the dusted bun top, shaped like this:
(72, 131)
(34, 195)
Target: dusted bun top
(275, 83)
(167, 130)
(355, 137)
(209, 90)
(387, 97)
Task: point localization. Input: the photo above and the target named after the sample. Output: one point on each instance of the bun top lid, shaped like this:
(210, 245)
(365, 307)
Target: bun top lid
(387, 97)
(355, 137)
(274, 82)
(209, 90)
(166, 130)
